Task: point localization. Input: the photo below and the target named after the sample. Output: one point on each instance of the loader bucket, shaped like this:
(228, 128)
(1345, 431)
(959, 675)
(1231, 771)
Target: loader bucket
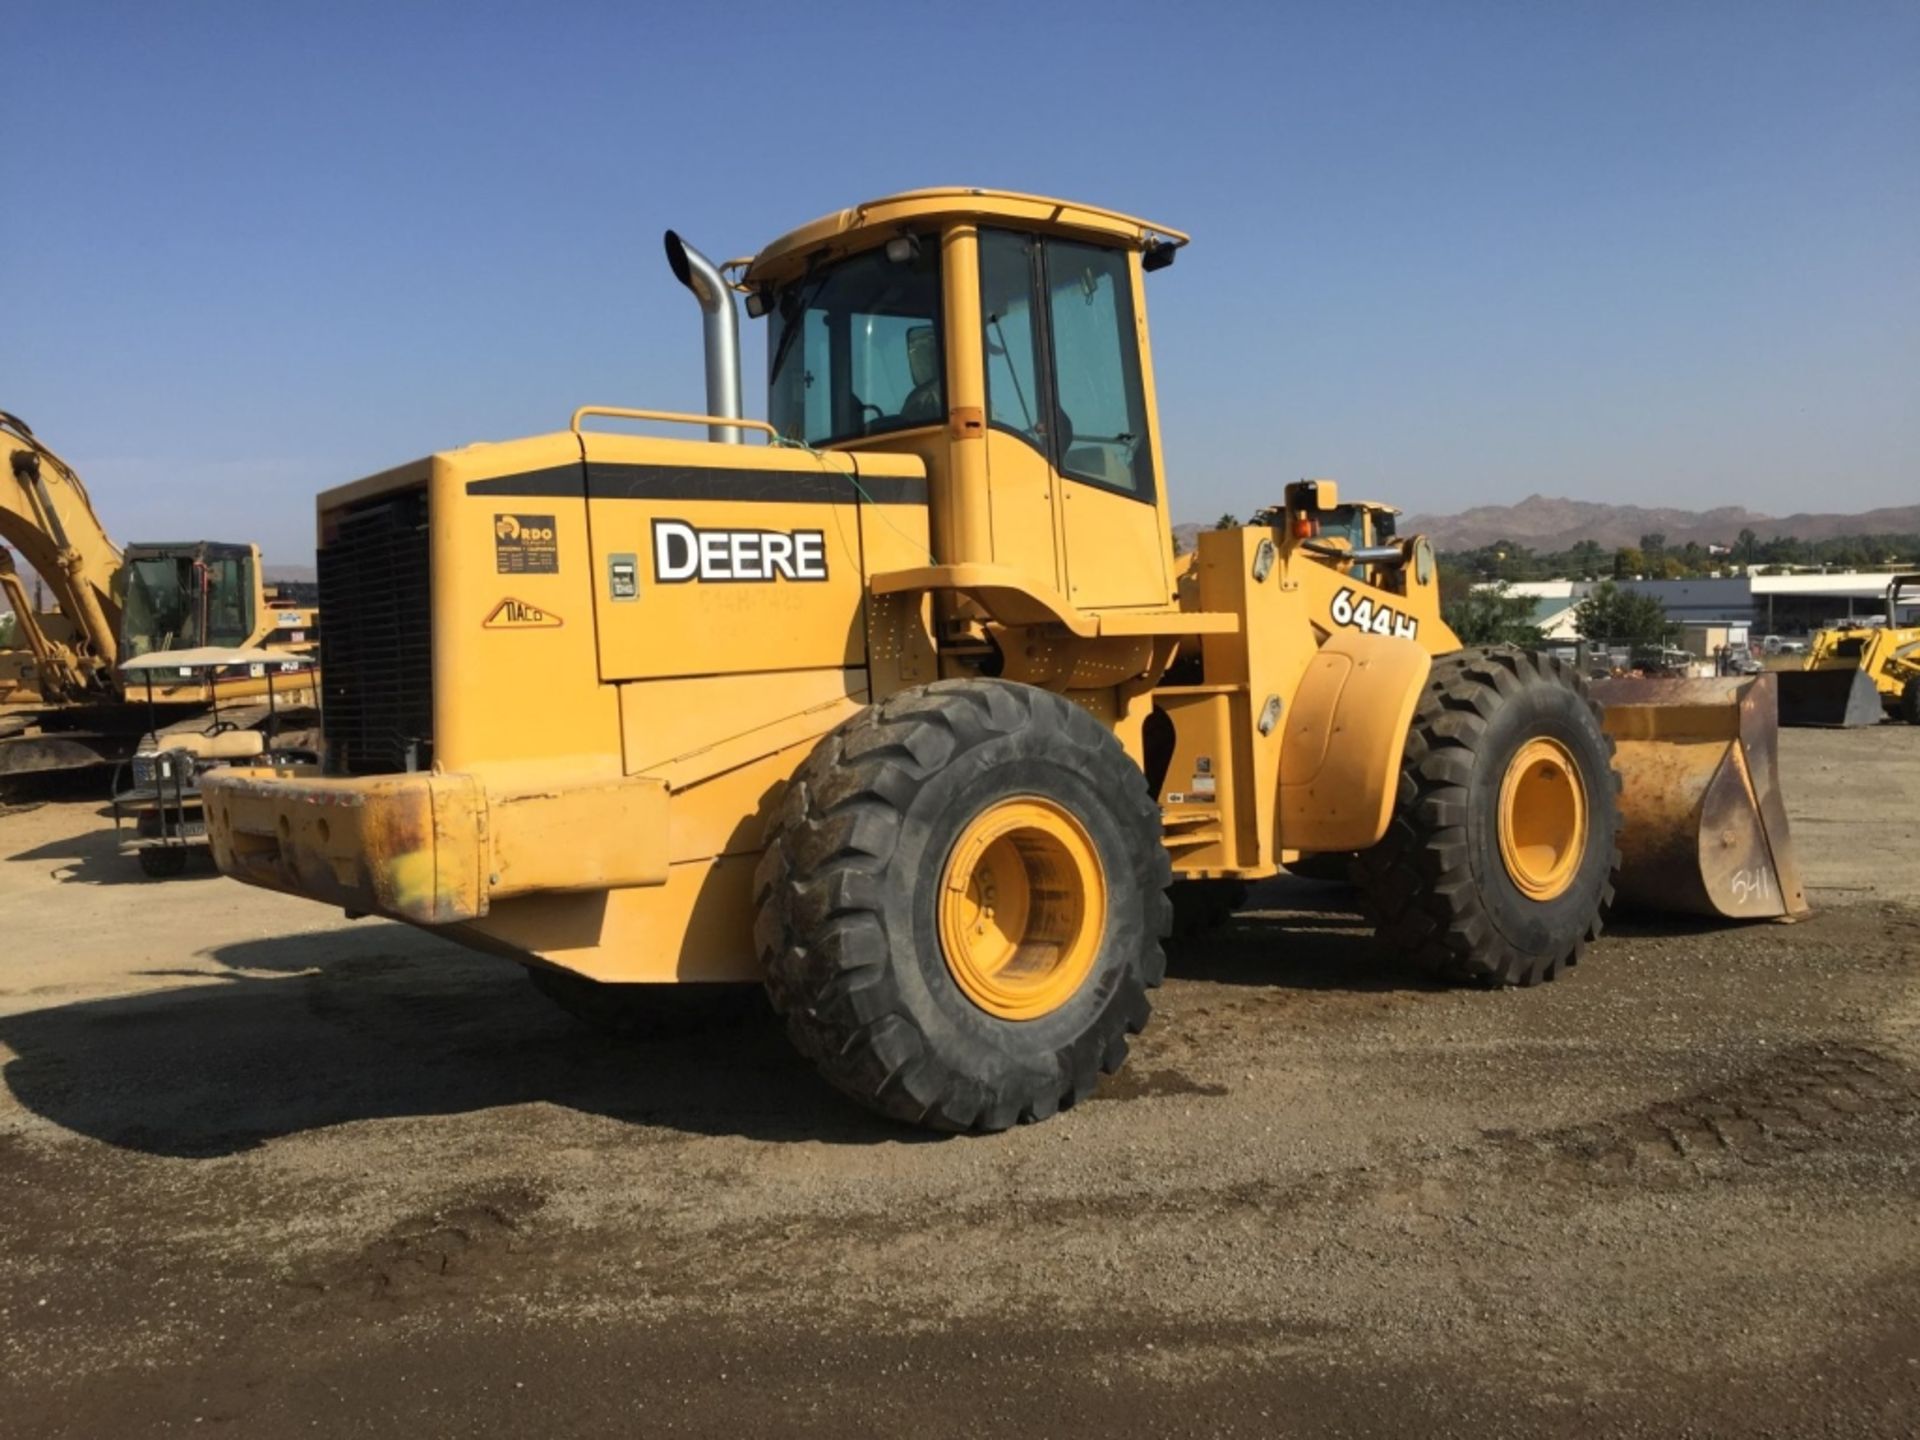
(1703, 826)
(1842, 699)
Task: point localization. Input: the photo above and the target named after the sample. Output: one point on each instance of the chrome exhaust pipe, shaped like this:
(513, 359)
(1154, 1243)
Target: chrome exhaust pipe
(721, 323)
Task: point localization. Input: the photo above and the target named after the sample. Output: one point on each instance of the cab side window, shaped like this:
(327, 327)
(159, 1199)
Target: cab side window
(1007, 266)
(856, 349)
(1064, 374)
(1096, 367)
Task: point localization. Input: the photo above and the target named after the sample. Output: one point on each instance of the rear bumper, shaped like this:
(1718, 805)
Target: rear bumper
(432, 849)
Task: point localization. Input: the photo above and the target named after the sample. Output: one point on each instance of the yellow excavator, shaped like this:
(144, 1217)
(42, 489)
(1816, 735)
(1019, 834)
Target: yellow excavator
(1855, 674)
(116, 605)
(910, 714)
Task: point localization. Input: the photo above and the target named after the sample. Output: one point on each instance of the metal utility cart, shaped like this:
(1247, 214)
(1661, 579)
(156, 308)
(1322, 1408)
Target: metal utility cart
(157, 792)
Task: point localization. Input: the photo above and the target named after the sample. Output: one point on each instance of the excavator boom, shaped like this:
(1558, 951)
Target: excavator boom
(47, 515)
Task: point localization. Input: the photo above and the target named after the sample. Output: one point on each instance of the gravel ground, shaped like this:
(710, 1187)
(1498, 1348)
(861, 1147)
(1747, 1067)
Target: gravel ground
(266, 1170)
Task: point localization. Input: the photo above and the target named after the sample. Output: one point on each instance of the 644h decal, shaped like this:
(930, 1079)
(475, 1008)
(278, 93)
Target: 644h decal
(1368, 614)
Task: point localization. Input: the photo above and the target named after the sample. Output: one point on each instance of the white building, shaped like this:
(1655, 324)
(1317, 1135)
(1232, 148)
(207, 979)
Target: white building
(1771, 604)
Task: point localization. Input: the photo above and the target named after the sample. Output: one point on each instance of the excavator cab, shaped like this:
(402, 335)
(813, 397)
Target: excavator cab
(185, 596)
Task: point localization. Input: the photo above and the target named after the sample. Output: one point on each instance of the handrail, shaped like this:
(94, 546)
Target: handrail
(1389, 555)
(671, 417)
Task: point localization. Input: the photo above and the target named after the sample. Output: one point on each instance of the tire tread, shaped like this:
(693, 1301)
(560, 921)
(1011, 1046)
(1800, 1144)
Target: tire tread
(817, 888)
(1417, 883)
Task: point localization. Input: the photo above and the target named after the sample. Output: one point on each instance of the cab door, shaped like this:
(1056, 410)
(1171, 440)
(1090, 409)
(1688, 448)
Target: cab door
(1112, 517)
(1074, 477)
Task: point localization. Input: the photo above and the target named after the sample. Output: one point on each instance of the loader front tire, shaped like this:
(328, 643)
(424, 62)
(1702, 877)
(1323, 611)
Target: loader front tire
(1910, 702)
(962, 904)
(1498, 863)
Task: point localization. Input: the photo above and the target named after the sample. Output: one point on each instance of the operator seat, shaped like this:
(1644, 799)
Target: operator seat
(923, 362)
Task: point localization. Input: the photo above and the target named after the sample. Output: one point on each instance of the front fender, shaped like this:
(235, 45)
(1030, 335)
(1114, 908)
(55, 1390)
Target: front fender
(1345, 734)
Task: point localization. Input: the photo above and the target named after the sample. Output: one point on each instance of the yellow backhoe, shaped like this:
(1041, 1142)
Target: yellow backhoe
(909, 712)
(117, 605)
(1856, 674)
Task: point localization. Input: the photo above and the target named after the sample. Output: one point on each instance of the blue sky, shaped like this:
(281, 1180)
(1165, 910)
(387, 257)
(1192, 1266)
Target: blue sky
(1450, 253)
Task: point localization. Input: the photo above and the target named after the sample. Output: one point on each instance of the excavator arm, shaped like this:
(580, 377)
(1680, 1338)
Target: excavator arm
(48, 659)
(47, 515)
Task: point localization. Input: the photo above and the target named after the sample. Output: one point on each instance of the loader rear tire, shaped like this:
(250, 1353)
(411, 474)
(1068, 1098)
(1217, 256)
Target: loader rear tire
(1450, 885)
(1910, 702)
(962, 903)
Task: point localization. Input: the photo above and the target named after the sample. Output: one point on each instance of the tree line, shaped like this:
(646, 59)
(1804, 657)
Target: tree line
(1654, 559)
(1610, 614)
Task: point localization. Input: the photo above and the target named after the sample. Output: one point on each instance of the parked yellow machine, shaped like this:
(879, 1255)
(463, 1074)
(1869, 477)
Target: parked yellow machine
(1854, 673)
(910, 712)
(117, 605)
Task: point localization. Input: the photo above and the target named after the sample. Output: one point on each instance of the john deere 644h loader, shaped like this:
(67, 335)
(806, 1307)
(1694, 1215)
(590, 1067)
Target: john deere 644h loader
(910, 712)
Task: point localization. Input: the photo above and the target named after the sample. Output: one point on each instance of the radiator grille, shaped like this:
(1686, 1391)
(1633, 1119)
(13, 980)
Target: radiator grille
(376, 640)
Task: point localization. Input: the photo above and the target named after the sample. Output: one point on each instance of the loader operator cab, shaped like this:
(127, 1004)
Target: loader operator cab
(1008, 353)
(1362, 527)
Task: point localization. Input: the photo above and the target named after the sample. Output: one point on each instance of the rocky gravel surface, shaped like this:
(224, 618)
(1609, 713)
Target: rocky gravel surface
(273, 1173)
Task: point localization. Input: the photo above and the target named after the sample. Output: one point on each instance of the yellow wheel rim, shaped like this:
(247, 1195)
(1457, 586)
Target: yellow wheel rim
(1543, 819)
(1023, 907)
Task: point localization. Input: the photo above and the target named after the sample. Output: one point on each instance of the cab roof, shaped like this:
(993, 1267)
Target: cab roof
(864, 224)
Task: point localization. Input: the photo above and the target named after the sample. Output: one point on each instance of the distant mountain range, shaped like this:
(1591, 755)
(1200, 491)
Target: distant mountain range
(1541, 522)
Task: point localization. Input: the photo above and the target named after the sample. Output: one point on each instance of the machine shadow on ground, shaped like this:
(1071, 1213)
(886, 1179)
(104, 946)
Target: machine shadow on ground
(95, 857)
(1281, 912)
(290, 1034)
(1645, 925)
(1300, 935)
(284, 1036)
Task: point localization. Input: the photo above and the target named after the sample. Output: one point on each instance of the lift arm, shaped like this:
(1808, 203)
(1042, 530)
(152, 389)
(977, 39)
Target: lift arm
(47, 515)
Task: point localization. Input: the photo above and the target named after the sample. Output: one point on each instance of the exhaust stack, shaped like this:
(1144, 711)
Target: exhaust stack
(721, 333)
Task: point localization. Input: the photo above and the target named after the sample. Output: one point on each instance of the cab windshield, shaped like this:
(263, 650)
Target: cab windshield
(1357, 524)
(855, 347)
(180, 602)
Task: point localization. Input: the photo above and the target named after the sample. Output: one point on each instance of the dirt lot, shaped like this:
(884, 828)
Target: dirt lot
(268, 1171)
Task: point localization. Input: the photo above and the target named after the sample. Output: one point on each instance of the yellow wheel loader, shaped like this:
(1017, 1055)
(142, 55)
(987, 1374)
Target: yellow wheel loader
(1855, 674)
(908, 712)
